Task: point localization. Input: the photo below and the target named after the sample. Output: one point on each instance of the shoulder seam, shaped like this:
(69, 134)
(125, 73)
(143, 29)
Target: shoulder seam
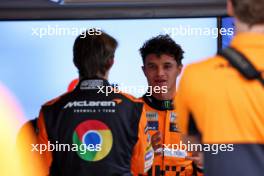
(131, 97)
(53, 101)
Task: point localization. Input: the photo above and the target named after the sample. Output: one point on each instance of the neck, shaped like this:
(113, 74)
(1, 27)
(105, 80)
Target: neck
(105, 76)
(99, 75)
(243, 27)
(165, 96)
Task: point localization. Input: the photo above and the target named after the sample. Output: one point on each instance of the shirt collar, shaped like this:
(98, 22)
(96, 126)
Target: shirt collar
(161, 105)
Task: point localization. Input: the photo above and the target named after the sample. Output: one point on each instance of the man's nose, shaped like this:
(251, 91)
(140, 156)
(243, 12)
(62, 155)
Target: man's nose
(160, 71)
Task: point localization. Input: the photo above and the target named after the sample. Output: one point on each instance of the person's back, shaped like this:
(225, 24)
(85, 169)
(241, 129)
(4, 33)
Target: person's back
(230, 110)
(106, 125)
(91, 131)
(223, 106)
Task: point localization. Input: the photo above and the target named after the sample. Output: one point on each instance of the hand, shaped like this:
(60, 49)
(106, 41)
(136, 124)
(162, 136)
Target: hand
(156, 143)
(197, 159)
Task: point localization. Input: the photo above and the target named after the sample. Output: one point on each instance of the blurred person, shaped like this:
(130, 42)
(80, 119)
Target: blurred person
(29, 131)
(16, 157)
(162, 63)
(218, 104)
(105, 135)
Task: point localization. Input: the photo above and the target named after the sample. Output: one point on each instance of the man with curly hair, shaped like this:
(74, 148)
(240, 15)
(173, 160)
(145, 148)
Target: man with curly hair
(162, 63)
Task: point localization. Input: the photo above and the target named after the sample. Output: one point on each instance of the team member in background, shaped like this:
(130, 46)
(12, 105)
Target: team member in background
(104, 135)
(16, 157)
(217, 102)
(29, 130)
(162, 59)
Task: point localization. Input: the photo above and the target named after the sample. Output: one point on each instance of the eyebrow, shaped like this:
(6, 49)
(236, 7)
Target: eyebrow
(167, 63)
(151, 63)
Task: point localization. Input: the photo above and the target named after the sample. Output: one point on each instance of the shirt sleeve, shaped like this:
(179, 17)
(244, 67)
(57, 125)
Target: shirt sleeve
(43, 141)
(143, 154)
(186, 120)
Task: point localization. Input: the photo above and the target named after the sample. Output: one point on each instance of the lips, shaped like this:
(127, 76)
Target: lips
(159, 81)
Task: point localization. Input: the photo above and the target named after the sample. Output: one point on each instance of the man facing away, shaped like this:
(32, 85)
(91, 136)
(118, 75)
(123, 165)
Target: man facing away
(103, 134)
(216, 102)
(162, 59)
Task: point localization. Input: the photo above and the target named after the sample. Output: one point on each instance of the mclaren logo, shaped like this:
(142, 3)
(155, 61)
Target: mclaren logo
(93, 103)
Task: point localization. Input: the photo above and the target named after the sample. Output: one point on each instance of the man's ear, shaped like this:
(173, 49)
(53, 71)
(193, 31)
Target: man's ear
(110, 63)
(179, 70)
(230, 8)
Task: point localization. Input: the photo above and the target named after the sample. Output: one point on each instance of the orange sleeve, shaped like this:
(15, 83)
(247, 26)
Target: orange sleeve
(182, 107)
(143, 154)
(43, 140)
(26, 139)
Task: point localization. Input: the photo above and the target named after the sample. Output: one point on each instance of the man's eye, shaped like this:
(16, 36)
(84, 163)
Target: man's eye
(151, 66)
(168, 66)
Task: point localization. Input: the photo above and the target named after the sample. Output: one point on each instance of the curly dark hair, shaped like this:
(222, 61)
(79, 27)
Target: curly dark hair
(92, 52)
(162, 44)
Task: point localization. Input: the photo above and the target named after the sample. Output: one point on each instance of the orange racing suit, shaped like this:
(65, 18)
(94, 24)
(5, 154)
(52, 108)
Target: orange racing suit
(161, 116)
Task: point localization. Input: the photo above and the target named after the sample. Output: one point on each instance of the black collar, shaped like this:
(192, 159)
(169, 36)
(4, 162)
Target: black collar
(161, 105)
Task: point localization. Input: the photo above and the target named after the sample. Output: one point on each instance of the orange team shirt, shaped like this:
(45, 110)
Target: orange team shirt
(225, 107)
(217, 102)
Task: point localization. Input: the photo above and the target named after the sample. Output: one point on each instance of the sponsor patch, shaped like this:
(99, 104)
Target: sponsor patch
(148, 165)
(173, 117)
(96, 133)
(85, 103)
(153, 125)
(149, 138)
(174, 127)
(148, 155)
(152, 116)
(146, 129)
(91, 84)
(175, 153)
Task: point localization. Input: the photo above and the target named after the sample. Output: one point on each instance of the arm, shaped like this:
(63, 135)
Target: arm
(43, 140)
(186, 120)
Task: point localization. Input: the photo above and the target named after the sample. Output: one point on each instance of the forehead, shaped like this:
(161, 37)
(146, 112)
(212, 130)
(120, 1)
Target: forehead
(155, 59)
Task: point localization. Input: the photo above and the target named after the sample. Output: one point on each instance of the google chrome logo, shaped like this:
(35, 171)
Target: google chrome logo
(94, 140)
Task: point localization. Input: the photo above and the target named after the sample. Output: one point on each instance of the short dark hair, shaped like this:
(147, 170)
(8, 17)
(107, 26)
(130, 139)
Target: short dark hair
(249, 11)
(162, 44)
(92, 52)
